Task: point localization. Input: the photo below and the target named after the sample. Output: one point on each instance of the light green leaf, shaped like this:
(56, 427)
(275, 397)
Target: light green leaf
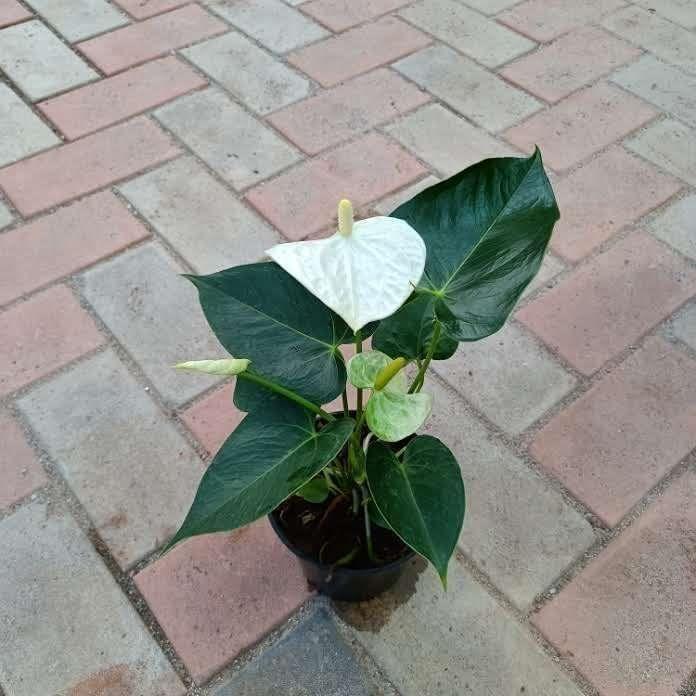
(393, 416)
(421, 497)
(226, 366)
(486, 230)
(363, 369)
(272, 454)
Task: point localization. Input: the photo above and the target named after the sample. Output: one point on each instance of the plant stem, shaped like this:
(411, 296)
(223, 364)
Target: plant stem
(287, 393)
(359, 401)
(344, 397)
(368, 527)
(356, 501)
(420, 377)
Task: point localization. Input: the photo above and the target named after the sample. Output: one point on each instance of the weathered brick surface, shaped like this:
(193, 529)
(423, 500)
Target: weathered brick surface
(73, 631)
(79, 19)
(249, 73)
(151, 38)
(670, 145)
(137, 494)
(358, 50)
(301, 201)
(271, 22)
(606, 305)
(213, 418)
(339, 15)
(516, 528)
(483, 39)
(142, 9)
(599, 199)
(469, 89)
(103, 103)
(217, 595)
(582, 124)
(64, 242)
(20, 469)
(142, 297)
(339, 113)
(569, 63)
(237, 146)
(615, 443)
(38, 62)
(12, 13)
(42, 334)
(628, 621)
(675, 225)
(83, 166)
(22, 132)
(182, 196)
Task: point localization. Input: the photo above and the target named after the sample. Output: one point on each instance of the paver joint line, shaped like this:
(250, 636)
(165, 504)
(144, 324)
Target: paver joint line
(140, 138)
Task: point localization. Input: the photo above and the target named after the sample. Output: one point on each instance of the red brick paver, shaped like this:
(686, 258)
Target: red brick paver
(12, 12)
(64, 242)
(570, 63)
(213, 418)
(142, 9)
(359, 50)
(582, 124)
(608, 304)
(619, 439)
(336, 114)
(544, 20)
(628, 621)
(20, 471)
(339, 15)
(300, 202)
(106, 102)
(42, 334)
(154, 37)
(86, 165)
(217, 595)
(599, 198)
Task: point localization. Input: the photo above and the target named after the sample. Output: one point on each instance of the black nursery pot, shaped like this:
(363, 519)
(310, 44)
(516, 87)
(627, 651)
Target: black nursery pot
(345, 584)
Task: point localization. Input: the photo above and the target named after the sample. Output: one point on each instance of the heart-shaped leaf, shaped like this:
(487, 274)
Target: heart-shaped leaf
(421, 496)
(486, 230)
(272, 453)
(261, 313)
(391, 413)
(363, 275)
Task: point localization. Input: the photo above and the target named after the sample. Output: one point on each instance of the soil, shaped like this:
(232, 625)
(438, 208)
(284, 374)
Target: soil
(329, 532)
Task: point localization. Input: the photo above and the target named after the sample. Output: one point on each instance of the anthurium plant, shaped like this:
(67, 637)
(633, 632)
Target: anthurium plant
(445, 267)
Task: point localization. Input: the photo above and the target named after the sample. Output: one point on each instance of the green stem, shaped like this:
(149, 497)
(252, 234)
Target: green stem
(358, 349)
(368, 526)
(344, 397)
(356, 501)
(420, 377)
(287, 393)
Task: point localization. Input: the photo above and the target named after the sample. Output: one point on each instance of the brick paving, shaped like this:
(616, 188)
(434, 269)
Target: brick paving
(143, 138)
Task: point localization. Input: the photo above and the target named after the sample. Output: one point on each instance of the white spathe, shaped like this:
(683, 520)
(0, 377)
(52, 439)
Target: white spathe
(364, 273)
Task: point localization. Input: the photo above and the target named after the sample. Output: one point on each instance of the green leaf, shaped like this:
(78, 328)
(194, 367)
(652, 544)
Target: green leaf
(393, 416)
(270, 456)
(314, 491)
(363, 369)
(260, 312)
(421, 497)
(486, 230)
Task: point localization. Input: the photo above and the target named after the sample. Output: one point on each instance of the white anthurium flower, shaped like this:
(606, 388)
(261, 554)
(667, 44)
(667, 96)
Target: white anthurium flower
(226, 366)
(364, 272)
(391, 412)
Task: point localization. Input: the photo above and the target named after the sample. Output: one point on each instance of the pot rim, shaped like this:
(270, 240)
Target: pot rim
(348, 571)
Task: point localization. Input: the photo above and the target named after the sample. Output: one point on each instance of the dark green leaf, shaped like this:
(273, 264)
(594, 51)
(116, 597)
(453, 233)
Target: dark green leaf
(270, 456)
(421, 497)
(486, 230)
(260, 312)
(314, 491)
